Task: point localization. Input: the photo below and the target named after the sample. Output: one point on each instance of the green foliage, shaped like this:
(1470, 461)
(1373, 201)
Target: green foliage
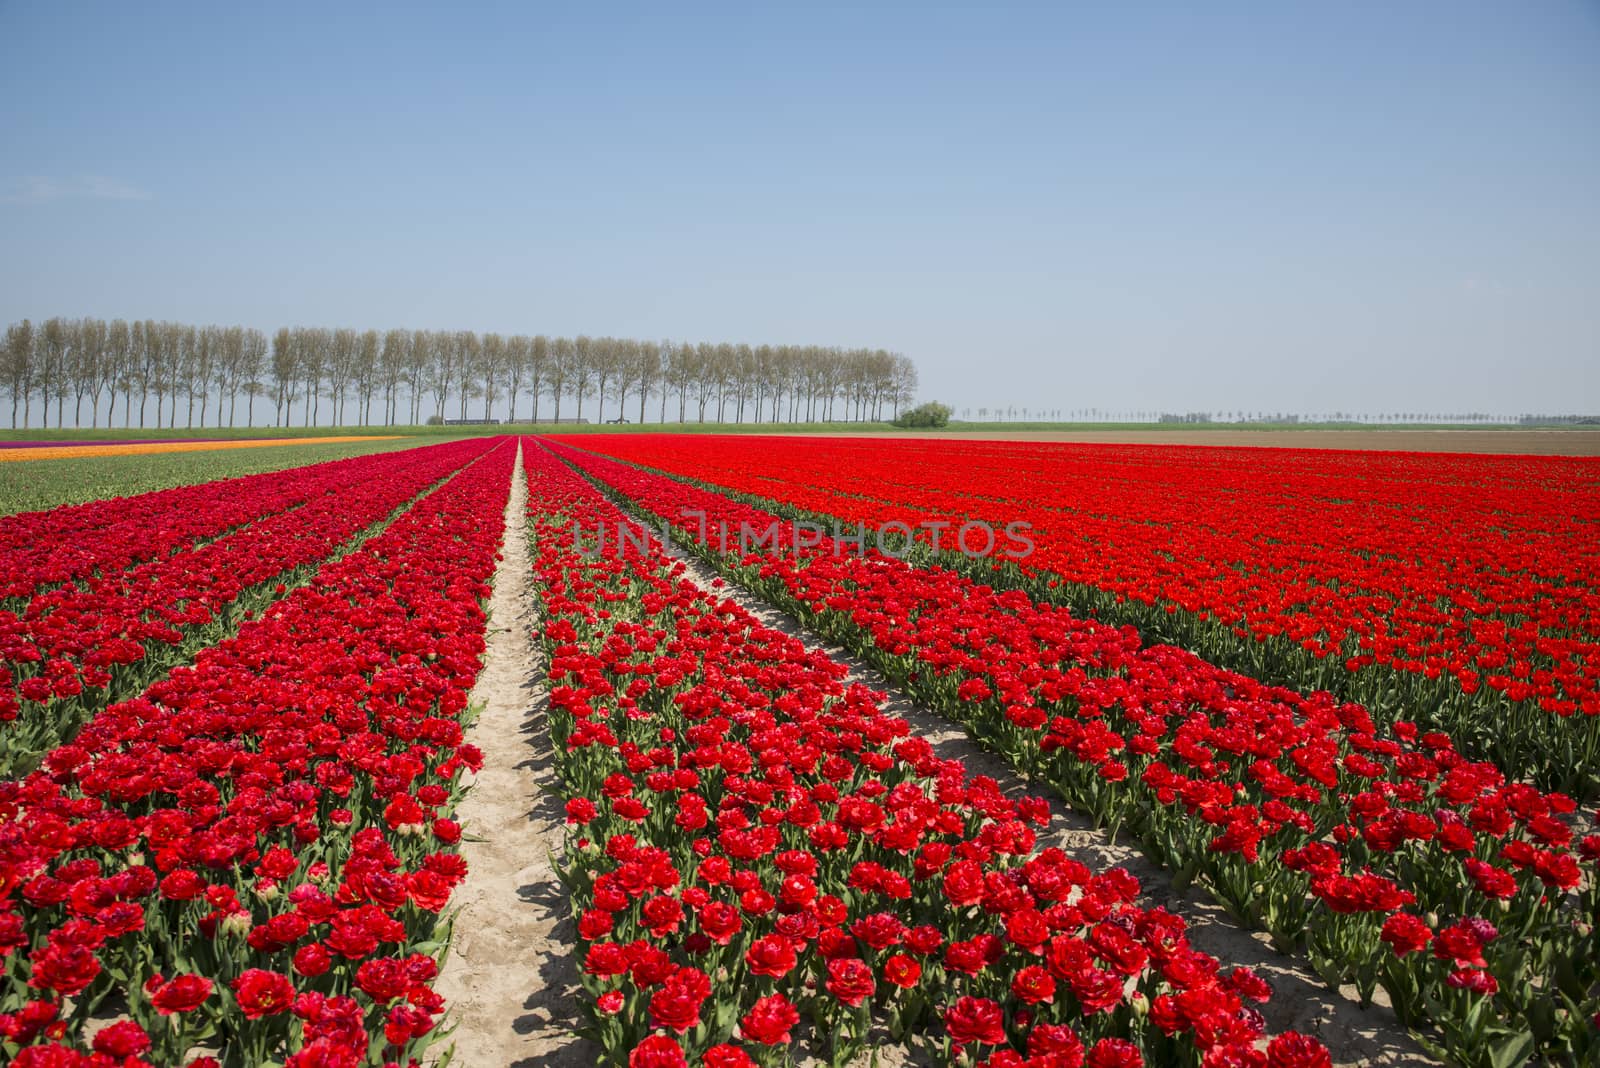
(932, 414)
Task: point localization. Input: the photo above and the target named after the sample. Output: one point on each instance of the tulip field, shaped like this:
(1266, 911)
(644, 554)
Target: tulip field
(1351, 698)
(251, 854)
(1457, 590)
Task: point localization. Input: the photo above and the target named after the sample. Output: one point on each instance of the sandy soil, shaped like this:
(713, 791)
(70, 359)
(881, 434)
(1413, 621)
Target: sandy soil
(1515, 442)
(511, 977)
(1356, 1036)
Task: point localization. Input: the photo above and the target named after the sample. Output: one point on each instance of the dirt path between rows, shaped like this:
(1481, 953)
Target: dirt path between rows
(1300, 1002)
(511, 978)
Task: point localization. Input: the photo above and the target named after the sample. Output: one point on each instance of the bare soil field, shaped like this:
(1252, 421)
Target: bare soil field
(1508, 442)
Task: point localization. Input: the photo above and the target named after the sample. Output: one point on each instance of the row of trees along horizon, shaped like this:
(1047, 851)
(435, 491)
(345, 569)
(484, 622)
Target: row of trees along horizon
(429, 375)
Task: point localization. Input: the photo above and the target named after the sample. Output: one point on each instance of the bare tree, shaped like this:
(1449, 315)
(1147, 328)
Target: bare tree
(229, 352)
(878, 368)
(252, 363)
(20, 368)
(580, 369)
(760, 372)
(561, 357)
(604, 358)
(902, 383)
(161, 342)
(722, 366)
(180, 361)
(55, 342)
(84, 366)
(705, 375)
(392, 369)
(538, 367)
(231, 372)
(645, 363)
(115, 369)
(343, 349)
(663, 357)
(625, 354)
(284, 374)
(835, 380)
(467, 348)
(683, 373)
(419, 360)
(518, 347)
(749, 383)
(441, 369)
(199, 370)
(179, 368)
(366, 374)
(434, 358)
(491, 369)
(742, 366)
(141, 336)
(316, 349)
(786, 379)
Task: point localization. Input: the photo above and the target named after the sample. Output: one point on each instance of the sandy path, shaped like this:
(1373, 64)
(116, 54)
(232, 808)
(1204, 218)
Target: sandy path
(511, 978)
(1300, 1002)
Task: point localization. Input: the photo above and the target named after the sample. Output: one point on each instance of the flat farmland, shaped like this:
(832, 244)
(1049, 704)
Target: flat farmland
(36, 478)
(1562, 442)
(559, 610)
(1282, 758)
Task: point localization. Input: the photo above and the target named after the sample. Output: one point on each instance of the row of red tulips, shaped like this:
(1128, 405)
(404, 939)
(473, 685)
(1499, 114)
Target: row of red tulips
(1463, 590)
(77, 647)
(1297, 811)
(71, 544)
(248, 863)
(761, 857)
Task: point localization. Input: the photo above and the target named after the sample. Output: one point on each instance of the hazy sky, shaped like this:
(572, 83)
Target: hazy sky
(1296, 206)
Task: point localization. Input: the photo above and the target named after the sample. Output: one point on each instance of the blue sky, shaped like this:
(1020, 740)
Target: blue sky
(1365, 206)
